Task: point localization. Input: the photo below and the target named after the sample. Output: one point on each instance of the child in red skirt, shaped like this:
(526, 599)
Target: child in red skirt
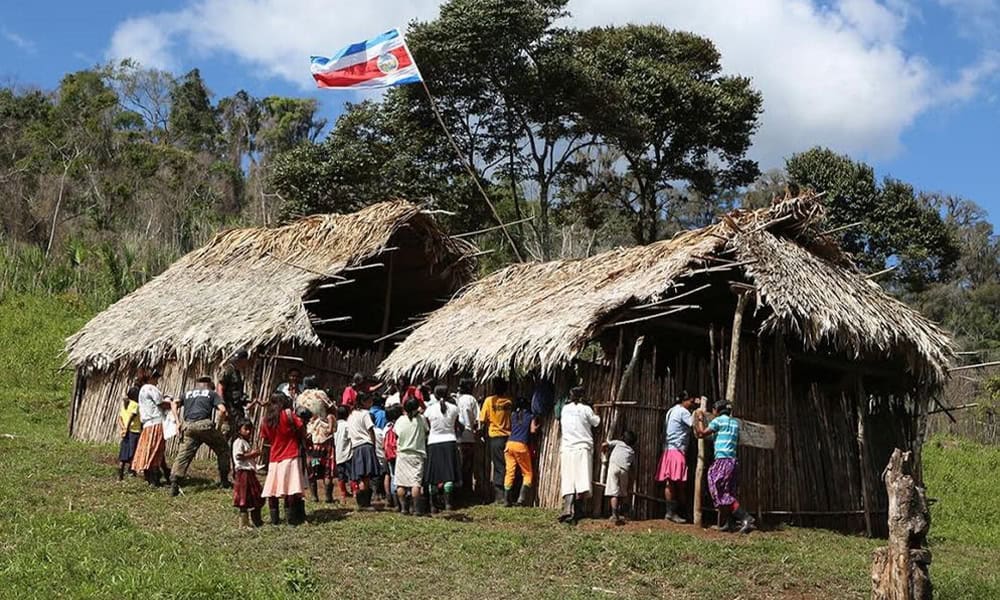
(246, 487)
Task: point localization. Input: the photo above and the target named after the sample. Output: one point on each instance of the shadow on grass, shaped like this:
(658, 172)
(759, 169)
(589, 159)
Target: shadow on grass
(327, 515)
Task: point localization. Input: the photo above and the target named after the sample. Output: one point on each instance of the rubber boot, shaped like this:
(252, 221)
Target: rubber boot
(244, 520)
(406, 505)
(329, 492)
(449, 501)
(524, 498)
(567, 512)
(420, 506)
(743, 520)
(255, 517)
(508, 497)
(433, 500)
(578, 510)
(272, 509)
(314, 490)
(175, 488)
(391, 501)
(672, 513)
(498, 494)
(121, 472)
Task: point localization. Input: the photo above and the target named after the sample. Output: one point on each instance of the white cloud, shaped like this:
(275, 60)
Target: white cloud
(977, 19)
(148, 40)
(832, 73)
(18, 40)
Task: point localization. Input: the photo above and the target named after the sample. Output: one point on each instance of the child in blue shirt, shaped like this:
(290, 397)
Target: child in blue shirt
(724, 474)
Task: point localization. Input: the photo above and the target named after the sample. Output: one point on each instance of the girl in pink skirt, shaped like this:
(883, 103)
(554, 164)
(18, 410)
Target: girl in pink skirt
(286, 478)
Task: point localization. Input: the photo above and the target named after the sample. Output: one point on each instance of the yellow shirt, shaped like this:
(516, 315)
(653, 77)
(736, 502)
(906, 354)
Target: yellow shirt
(125, 418)
(496, 411)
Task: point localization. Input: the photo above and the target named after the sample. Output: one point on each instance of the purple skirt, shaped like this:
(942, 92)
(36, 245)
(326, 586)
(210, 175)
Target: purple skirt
(724, 481)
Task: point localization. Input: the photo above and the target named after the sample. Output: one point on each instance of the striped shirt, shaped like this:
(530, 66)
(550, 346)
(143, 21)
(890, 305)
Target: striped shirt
(727, 435)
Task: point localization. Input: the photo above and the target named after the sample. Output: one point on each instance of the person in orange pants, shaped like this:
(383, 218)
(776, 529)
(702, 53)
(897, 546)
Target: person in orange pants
(517, 453)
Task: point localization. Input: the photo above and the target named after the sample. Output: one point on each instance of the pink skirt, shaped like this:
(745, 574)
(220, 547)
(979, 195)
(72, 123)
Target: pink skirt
(673, 466)
(284, 478)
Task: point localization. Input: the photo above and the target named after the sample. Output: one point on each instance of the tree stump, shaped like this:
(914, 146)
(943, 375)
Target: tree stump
(900, 571)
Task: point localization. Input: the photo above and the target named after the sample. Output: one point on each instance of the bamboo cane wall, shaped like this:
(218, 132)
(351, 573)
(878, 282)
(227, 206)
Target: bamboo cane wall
(814, 475)
(98, 398)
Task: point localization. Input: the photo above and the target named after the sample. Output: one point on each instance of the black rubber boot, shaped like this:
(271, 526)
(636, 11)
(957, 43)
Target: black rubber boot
(406, 505)
(255, 517)
(175, 488)
(391, 501)
(567, 512)
(449, 501)
(508, 497)
(314, 490)
(329, 493)
(744, 522)
(121, 472)
(272, 509)
(524, 498)
(578, 510)
(672, 514)
(418, 506)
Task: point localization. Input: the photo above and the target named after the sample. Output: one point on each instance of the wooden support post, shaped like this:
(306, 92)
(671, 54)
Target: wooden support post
(734, 348)
(863, 462)
(699, 474)
(900, 571)
(387, 307)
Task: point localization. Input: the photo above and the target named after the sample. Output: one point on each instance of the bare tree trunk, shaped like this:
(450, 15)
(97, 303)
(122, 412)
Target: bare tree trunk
(900, 571)
(55, 213)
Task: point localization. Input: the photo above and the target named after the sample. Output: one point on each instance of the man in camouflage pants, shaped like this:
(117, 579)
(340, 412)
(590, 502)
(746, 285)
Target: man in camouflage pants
(199, 428)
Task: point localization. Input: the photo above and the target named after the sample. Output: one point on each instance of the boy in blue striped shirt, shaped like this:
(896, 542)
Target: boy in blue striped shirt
(724, 474)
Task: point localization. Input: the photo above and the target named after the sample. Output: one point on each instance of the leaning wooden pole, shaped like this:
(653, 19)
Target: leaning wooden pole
(734, 356)
(900, 571)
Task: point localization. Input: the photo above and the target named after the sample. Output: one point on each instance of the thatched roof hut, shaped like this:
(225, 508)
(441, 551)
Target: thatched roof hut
(817, 328)
(329, 285)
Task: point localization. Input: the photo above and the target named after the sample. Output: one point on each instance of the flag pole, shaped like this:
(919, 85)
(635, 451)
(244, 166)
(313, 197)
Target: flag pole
(461, 157)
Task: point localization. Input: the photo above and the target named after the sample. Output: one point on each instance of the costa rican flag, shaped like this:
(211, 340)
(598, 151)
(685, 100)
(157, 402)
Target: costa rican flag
(382, 61)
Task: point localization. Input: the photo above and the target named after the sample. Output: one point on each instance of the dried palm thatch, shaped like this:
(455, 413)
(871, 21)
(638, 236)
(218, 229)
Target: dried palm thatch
(541, 315)
(245, 288)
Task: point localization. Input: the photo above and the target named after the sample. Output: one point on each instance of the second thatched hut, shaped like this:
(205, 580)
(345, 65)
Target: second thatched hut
(841, 370)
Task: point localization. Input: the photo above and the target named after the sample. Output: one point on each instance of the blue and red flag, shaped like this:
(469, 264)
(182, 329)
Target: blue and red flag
(382, 61)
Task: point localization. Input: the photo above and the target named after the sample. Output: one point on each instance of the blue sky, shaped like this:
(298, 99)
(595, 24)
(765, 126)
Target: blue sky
(913, 87)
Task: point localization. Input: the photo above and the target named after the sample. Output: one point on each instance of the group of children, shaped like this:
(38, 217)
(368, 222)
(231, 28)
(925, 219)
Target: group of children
(413, 449)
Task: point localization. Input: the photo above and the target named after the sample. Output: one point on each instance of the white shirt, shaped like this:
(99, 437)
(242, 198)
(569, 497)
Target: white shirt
(468, 416)
(392, 400)
(442, 417)
(241, 447)
(342, 442)
(578, 422)
(150, 399)
(359, 426)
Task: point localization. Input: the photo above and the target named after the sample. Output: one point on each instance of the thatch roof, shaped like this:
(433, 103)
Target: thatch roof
(541, 315)
(245, 288)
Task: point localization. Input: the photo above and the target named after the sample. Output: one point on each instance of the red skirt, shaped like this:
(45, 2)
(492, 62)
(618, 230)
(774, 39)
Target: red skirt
(247, 490)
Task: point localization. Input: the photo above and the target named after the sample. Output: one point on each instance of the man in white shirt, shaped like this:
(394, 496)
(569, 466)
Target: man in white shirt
(576, 454)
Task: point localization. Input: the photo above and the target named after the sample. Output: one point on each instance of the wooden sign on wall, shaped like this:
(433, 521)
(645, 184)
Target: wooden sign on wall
(756, 435)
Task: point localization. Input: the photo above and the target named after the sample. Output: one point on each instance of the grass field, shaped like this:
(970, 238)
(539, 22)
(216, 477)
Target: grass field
(68, 529)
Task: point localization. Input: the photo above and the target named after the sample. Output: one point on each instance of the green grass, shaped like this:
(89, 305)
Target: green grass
(67, 529)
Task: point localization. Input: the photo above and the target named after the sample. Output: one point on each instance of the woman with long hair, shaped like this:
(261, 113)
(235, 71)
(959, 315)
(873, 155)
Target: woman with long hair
(283, 430)
(444, 467)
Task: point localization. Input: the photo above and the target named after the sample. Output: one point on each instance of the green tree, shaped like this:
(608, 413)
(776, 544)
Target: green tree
(897, 226)
(671, 114)
(192, 124)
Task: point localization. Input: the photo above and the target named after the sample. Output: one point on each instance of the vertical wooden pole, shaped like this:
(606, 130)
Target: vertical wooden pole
(699, 473)
(387, 305)
(734, 348)
(863, 462)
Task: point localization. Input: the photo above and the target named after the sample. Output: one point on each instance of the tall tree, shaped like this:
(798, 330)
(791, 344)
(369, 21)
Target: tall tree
(897, 227)
(671, 113)
(192, 122)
